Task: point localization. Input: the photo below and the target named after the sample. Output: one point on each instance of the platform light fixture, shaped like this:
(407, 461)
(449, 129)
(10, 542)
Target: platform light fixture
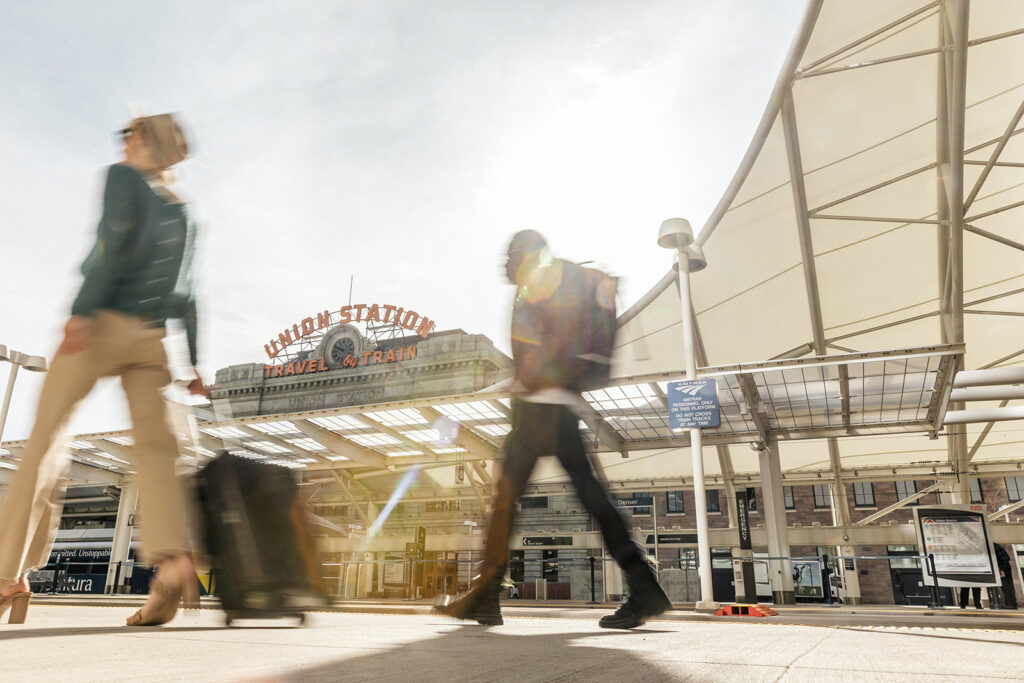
(17, 360)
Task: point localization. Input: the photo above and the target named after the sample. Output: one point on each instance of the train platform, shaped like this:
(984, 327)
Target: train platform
(803, 614)
(354, 643)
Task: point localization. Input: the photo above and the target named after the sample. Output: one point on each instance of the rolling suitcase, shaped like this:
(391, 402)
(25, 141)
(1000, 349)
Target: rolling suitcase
(254, 529)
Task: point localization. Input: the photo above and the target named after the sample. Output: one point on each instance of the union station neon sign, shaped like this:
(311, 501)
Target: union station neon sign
(382, 314)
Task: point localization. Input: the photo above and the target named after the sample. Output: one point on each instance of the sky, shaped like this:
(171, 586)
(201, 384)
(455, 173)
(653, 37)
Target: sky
(396, 144)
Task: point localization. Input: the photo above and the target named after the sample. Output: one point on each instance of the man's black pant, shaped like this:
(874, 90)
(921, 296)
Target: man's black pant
(540, 429)
(1008, 597)
(975, 593)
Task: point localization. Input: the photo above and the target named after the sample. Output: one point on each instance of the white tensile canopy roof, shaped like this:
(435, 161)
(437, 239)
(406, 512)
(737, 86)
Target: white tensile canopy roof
(842, 230)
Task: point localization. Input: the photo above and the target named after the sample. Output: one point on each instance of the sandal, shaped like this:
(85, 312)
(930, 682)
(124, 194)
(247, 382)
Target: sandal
(169, 597)
(163, 611)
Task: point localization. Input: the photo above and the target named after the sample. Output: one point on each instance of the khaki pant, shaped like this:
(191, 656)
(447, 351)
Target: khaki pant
(119, 345)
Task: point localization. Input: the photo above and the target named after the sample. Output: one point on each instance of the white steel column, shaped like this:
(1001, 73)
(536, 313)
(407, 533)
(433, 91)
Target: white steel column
(841, 517)
(122, 544)
(954, 19)
(780, 572)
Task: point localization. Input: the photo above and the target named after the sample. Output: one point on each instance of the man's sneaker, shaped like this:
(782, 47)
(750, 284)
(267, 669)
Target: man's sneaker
(646, 599)
(479, 603)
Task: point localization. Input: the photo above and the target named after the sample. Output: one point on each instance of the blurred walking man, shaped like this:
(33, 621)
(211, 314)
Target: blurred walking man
(562, 313)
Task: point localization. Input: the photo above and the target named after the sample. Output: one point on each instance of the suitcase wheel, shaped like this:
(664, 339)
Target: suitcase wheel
(302, 619)
(228, 619)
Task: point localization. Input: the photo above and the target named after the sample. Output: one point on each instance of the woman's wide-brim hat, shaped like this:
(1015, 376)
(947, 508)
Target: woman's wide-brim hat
(165, 138)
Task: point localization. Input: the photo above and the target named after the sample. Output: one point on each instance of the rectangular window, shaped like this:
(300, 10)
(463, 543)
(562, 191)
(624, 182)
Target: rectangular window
(898, 550)
(976, 496)
(534, 503)
(79, 566)
(675, 502)
(712, 500)
(905, 489)
(551, 566)
(822, 497)
(787, 498)
(517, 566)
(863, 495)
(1015, 488)
(752, 499)
(687, 558)
(645, 510)
(444, 505)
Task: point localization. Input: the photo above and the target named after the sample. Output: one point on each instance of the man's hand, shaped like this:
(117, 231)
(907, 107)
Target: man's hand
(76, 334)
(197, 387)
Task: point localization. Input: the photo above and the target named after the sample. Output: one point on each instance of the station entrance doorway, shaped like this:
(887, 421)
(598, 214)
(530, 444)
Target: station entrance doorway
(723, 583)
(440, 573)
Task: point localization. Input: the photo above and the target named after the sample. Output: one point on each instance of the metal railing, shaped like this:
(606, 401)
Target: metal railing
(580, 579)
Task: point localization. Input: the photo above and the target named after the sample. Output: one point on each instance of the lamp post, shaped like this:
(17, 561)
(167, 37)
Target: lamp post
(17, 360)
(676, 233)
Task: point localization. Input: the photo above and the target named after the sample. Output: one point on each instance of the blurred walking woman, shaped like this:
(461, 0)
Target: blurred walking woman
(137, 276)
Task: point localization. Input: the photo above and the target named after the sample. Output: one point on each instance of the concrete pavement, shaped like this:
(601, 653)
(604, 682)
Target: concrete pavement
(88, 644)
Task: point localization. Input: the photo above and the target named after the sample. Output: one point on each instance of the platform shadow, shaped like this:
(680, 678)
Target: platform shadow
(477, 653)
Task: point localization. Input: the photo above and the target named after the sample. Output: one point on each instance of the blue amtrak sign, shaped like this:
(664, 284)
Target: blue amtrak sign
(692, 404)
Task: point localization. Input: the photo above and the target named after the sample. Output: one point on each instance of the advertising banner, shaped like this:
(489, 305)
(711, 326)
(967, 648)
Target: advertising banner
(807, 581)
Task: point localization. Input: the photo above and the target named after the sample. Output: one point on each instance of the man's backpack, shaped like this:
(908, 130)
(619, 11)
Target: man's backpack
(596, 327)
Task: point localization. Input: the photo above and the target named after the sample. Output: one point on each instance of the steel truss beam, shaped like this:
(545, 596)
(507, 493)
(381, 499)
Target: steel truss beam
(398, 436)
(865, 38)
(900, 503)
(870, 62)
(343, 484)
(994, 157)
(475, 445)
(875, 219)
(341, 446)
(928, 167)
(278, 441)
(1005, 510)
(754, 405)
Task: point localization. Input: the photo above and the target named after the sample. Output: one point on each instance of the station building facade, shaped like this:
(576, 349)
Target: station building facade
(554, 538)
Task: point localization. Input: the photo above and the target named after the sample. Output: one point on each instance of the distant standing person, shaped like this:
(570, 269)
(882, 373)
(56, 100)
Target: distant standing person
(1008, 592)
(975, 593)
(548, 320)
(138, 274)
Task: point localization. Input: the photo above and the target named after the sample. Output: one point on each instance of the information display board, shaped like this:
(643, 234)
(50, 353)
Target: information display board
(693, 403)
(394, 572)
(957, 538)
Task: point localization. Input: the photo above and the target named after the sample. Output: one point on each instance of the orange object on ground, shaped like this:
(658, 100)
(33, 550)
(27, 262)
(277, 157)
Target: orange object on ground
(746, 611)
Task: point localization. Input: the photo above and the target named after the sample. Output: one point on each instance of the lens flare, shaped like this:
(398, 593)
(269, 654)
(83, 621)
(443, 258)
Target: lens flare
(403, 486)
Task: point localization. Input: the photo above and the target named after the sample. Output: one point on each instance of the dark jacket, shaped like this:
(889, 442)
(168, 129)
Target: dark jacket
(1002, 558)
(141, 263)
